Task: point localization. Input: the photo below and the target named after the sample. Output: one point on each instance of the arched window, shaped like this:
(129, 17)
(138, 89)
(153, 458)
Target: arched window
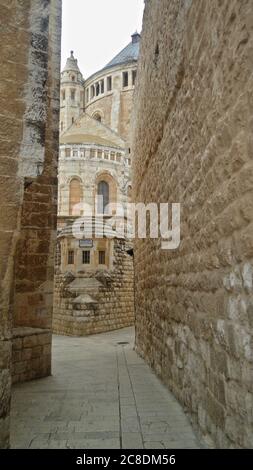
(129, 193)
(75, 195)
(98, 117)
(103, 196)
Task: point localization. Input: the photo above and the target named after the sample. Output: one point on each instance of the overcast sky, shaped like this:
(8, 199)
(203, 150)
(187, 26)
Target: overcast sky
(96, 30)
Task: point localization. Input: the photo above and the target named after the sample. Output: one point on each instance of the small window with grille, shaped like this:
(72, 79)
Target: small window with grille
(71, 257)
(86, 257)
(101, 257)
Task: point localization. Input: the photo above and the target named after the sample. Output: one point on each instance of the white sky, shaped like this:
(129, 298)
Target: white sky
(97, 30)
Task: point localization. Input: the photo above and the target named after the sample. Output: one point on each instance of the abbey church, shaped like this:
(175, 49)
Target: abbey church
(94, 276)
(188, 80)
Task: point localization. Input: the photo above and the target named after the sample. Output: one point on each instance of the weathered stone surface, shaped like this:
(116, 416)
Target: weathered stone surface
(29, 99)
(192, 144)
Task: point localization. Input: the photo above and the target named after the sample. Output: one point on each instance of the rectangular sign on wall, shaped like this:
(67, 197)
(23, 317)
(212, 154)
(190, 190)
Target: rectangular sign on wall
(85, 243)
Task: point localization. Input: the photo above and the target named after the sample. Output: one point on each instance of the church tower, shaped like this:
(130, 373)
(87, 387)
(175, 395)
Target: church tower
(72, 93)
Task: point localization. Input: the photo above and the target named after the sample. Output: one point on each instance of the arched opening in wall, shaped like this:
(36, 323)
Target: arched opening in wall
(129, 193)
(103, 197)
(75, 196)
(105, 194)
(97, 116)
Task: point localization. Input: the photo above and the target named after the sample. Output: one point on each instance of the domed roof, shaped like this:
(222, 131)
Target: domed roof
(71, 64)
(129, 54)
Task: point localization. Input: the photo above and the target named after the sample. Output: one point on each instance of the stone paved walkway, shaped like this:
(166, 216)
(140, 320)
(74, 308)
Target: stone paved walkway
(101, 395)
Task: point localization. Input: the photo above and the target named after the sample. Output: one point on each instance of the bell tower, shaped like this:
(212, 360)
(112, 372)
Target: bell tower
(72, 93)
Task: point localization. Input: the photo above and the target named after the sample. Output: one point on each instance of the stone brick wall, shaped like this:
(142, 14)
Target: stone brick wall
(31, 354)
(30, 55)
(104, 106)
(112, 293)
(193, 144)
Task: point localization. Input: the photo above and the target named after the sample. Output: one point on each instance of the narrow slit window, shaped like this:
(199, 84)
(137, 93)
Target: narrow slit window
(134, 75)
(125, 79)
(109, 83)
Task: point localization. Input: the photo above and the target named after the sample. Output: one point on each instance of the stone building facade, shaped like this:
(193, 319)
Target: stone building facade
(29, 96)
(95, 162)
(193, 144)
(106, 96)
(96, 293)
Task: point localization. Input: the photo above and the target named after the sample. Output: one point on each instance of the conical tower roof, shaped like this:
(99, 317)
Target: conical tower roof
(71, 64)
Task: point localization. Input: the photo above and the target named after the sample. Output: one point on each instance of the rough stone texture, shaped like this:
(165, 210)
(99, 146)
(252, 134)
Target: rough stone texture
(31, 354)
(193, 144)
(106, 304)
(30, 54)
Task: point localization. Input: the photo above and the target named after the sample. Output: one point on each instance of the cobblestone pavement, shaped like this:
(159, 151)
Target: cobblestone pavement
(101, 395)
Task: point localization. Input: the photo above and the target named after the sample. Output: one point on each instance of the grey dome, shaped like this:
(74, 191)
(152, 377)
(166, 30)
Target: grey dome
(129, 54)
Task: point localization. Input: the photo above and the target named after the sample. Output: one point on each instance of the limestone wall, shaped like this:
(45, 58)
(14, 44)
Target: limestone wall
(95, 302)
(193, 144)
(30, 56)
(31, 354)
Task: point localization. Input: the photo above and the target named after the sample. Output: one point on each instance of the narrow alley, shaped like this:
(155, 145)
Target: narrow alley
(101, 395)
